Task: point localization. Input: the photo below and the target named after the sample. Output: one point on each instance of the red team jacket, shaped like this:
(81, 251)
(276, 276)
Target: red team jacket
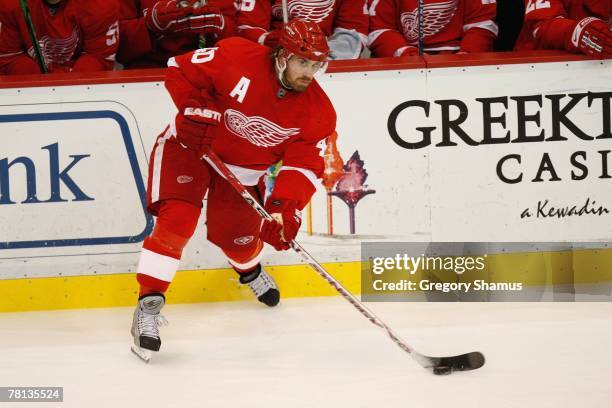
(139, 48)
(548, 23)
(449, 25)
(261, 123)
(257, 17)
(78, 36)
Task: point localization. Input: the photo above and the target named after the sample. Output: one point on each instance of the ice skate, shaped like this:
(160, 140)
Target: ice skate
(262, 285)
(145, 326)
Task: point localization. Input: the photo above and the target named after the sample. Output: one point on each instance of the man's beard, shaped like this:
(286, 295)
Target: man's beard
(301, 84)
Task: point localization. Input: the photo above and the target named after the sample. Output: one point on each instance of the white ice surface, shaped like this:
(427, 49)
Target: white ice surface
(316, 352)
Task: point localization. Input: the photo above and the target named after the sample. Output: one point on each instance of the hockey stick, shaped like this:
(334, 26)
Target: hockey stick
(421, 28)
(439, 365)
(285, 8)
(28, 20)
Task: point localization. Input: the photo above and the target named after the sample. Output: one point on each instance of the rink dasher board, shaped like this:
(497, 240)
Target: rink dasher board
(582, 268)
(101, 136)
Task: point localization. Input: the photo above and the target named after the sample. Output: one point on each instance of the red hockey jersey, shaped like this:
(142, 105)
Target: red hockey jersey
(448, 26)
(140, 49)
(75, 36)
(549, 23)
(257, 17)
(261, 122)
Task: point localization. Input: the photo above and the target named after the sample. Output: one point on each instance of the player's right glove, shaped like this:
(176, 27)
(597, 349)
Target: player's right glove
(592, 37)
(193, 124)
(207, 20)
(172, 16)
(167, 17)
(283, 229)
(407, 51)
(270, 39)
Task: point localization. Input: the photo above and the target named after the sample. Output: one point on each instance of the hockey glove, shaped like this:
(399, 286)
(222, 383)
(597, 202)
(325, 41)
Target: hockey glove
(287, 220)
(407, 51)
(592, 37)
(193, 123)
(169, 17)
(207, 20)
(270, 39)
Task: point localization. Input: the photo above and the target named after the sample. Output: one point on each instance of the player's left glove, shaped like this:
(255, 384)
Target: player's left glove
(287, 220)
(592, 37)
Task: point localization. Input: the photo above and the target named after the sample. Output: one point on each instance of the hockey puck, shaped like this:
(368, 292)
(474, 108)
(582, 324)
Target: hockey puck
(442, 370)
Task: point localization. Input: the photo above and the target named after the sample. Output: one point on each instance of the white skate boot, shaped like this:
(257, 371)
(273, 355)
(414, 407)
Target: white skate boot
(145, 326)
(262, 285)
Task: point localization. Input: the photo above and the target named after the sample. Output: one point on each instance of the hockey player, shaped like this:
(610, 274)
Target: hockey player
(253, 106)
(344, 22)
(73, 36)
(449, 26)
(154, 30)
(578, 26)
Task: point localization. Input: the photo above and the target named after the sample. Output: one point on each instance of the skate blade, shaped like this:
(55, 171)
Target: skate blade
(143, 354)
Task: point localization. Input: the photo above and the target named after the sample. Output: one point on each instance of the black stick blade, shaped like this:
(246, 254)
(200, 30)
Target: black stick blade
(463, 362)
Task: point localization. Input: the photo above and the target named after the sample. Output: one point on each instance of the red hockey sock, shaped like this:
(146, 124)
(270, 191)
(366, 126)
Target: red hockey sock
(175, 225)
(179, 217)
(245, 260)
(149, 284)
